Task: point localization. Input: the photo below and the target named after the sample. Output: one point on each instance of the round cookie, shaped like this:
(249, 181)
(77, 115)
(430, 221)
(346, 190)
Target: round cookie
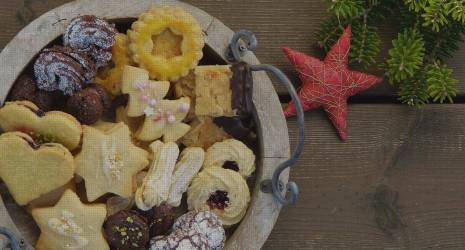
(231, 154)
(25, 89)
(126, 230)
(161, 219)
(61, 68)
(222, 191)
(206, 223)
(86, 106)
(91, 35)
(189, 239)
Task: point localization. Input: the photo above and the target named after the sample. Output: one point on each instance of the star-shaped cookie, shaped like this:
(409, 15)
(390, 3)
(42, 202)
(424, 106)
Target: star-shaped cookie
(163, 118)
(143, 93)
(109, 161)
(70, 224)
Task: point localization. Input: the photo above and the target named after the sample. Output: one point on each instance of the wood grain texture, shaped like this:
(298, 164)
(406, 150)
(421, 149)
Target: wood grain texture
(419, 154)
(277, 24)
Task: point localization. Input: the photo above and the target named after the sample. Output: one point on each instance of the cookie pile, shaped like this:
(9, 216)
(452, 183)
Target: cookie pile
(123, 141)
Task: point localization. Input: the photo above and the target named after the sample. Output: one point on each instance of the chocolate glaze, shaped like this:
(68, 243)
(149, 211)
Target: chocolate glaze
(25, 89)
(242, 88)
(126, 230)
(234, 126)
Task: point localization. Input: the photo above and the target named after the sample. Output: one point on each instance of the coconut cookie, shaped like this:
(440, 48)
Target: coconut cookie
(167, 41)
(30, 170)
(222, 191)
(70, 224)
(185, 87)
(53, 126)
(109, 161)
(156, 184)
(231, 154)
(189, 164)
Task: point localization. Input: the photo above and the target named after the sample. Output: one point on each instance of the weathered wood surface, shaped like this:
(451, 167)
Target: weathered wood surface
(277, 24)
(419, 154)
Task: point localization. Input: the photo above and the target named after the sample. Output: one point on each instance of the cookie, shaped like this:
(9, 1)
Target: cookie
(126, 230)
(231, 154)
(189, 239)
(70, 224)
(53, 126)
(134, 123)
(143, 93)
(25, 89)
(161, 219)
(109, 161)
(86, 105)
(51, 198)
(91, 35)
(213, 91)
(222, 191)
(189, 164)
(206, 223)
(30, 170)
(163, 118)
(204, 133)
(167, 41)
(156, 184)
(185, 87)
(61, 68)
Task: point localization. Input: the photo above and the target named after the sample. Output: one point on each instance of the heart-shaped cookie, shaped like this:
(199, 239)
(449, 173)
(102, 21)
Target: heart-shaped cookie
(53, 126)
(29, 170)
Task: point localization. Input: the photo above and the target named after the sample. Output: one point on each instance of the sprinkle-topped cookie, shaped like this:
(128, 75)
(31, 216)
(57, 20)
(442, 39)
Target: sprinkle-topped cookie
(126, 230)
(91, 35)
(109, 161)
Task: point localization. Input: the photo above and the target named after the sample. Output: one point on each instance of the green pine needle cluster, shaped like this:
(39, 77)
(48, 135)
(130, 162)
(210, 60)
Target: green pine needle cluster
(430, 31)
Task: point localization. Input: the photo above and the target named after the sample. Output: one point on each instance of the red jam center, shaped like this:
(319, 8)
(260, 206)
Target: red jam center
(218, 200)
(232, 165)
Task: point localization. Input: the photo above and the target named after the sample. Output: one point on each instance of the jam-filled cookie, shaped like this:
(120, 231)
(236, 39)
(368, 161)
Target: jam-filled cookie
(222, 191)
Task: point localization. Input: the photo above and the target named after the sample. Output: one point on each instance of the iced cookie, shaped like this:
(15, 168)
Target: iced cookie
(204, 133)
(70, 224)
(189, 239)
(189, 164)
(222, 191)
(109, 161)
(143, 93)
(231, 154)
(163, 118)
(206, 223)
(133, 123)
(167, 41)
(30, 170)
(53, 126)
(156, 184)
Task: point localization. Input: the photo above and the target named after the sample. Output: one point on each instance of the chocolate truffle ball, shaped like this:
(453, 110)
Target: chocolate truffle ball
(86, 106)
(126, 230)
(25, 89)
(161, 219)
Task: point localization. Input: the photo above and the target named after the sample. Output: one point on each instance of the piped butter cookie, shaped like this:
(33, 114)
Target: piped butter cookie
(222, 191)
(70, 224)
(167, 41)
(53, 126)
(109, 161)
(29, 170)
(231, 154)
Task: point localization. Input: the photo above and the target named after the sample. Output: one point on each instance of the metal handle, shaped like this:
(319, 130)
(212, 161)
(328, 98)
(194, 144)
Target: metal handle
(15, 244)
(236, 50)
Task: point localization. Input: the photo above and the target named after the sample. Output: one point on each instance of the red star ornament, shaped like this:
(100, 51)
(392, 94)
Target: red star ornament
(330, 82)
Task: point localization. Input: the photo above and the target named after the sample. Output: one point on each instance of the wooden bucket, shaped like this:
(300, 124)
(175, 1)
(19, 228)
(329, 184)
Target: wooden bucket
(272, 129)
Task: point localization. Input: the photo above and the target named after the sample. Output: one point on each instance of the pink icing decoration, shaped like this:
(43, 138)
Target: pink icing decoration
(184, 107)
(171, 119)
(153, 102)
(145, 98)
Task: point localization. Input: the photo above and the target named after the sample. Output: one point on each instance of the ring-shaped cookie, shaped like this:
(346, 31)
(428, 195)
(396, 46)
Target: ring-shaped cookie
(110, 77)
(155, 22)
(222, 191)
(231, 154)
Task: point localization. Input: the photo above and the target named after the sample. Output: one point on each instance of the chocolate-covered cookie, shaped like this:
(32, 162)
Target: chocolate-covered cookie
(25, 89)
(242, 88)
(86, 106)
(126, 230)
(105, 96)
(161, 219)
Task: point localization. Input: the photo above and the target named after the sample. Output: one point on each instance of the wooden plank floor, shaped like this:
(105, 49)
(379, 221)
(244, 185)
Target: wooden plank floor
(396, 183)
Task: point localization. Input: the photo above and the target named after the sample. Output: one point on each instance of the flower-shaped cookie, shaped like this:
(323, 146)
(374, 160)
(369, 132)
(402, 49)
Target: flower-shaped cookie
(163, 118)
(70, 224)
(109, 161)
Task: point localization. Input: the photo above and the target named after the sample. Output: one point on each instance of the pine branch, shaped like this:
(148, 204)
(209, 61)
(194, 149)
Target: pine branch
(416, 5)
(414, 93)
(456, 9)
(435, 15)
(440, 84)
(329, 32)
(365, 45)
(345, 9)
(406, 56)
